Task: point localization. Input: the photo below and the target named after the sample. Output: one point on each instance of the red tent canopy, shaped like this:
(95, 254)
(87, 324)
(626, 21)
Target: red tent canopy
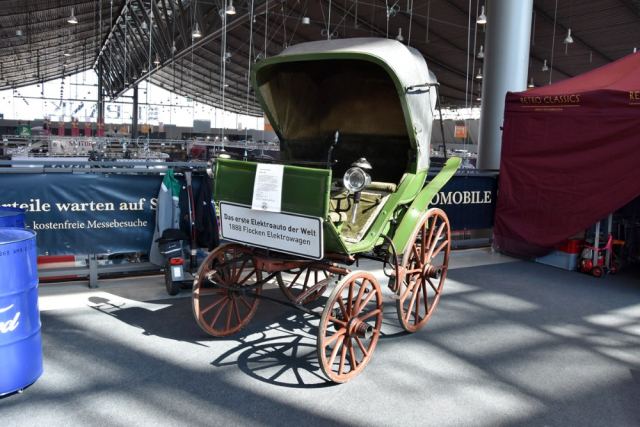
(570, 156)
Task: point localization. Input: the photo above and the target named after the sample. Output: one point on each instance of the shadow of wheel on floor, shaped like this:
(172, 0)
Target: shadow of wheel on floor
(286, 361)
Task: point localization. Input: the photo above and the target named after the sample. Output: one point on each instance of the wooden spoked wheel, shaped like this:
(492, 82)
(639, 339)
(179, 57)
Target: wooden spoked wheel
(294, 285)
(350, 326)
(425, 263)
(219, 311)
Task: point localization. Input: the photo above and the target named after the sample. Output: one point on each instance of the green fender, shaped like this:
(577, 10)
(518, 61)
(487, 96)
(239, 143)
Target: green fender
(421, 204)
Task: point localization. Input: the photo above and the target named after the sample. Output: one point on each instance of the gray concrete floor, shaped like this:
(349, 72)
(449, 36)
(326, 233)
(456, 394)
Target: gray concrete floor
(512, 343)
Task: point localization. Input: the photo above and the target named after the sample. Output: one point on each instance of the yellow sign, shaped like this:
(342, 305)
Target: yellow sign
(551, 99)
(460, 132)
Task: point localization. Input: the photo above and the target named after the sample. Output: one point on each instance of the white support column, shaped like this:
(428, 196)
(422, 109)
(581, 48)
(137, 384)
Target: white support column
(504, 70)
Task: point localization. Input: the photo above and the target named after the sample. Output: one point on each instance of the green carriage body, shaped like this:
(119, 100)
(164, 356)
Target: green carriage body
(377, 97)
(376, 93)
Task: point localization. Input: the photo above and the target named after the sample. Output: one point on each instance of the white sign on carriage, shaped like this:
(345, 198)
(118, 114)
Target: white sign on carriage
(285, 232)
(267, 188)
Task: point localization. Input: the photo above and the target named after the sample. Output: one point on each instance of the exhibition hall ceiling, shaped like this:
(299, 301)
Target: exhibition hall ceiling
(158, 40)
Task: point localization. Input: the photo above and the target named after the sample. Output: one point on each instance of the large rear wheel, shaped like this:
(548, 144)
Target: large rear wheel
(425, 263)
(350, 326)
(218, 310)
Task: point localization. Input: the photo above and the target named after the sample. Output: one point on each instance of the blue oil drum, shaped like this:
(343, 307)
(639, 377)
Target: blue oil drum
(20, 341)
(12, 217)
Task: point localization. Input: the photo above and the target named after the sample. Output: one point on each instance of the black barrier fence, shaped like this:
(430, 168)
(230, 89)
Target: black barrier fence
(89, 213)
(110, 213)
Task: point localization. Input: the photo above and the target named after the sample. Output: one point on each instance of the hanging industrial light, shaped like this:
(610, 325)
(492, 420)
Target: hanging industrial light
(480, 54)
(479, 75)
(174, 49)
(544, 66)
(66, 53)
(531, 85)
(568, 39)
(399, 36)
(196, 32)
(19, 32)
(482, 18)
(305, 20)
(157, 60)
(230, 10)
(144, 25)
(72, 19)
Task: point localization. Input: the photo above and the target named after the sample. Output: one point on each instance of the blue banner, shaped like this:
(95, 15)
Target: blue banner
(97, 213)
(85, 213)
(76, 214)
(468, 200)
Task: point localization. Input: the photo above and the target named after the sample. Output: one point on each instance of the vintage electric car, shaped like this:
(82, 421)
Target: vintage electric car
(354, 119)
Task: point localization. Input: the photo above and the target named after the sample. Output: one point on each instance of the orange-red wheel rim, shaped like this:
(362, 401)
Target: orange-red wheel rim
(221, 312)
(355, 305)
(425, 263)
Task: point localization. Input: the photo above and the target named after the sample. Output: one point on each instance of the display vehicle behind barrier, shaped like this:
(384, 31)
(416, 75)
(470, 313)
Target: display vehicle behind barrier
(354, 119)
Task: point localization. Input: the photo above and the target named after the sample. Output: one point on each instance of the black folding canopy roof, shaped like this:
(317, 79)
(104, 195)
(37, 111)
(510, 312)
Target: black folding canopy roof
(35, 35)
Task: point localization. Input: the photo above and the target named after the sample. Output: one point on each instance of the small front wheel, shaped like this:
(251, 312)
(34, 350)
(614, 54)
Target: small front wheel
(350, 326)
(173, 288)
(222, 301)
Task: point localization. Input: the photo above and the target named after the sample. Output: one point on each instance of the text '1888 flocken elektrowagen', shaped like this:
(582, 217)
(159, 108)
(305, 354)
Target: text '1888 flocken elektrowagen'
(354, 119)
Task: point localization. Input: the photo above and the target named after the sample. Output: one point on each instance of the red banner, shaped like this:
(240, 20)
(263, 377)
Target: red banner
(75, 127)
(100, 127)
(569, 157)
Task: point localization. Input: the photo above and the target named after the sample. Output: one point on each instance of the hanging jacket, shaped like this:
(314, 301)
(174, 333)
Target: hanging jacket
(167, 213)
(206, 221)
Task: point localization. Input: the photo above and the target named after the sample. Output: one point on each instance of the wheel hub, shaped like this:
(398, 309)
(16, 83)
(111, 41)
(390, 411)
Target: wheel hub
(357, 328)
(432, 272)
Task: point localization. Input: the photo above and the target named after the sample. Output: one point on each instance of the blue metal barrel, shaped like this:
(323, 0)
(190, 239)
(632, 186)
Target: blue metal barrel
(20, 341)
(12, 217)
